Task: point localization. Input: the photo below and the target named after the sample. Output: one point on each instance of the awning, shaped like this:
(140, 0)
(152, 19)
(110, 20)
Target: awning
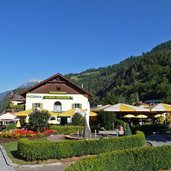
(71, 112)
(27, 112)
(121, 107)
(162, 107)
(67, 113)
(8, 116)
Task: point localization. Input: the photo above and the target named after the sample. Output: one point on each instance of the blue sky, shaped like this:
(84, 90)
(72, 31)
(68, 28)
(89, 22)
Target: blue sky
(39, 38)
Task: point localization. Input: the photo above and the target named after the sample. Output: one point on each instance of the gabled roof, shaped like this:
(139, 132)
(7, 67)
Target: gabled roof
(50, 79)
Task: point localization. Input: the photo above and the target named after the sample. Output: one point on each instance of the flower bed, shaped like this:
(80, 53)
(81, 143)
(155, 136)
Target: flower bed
(19, 133)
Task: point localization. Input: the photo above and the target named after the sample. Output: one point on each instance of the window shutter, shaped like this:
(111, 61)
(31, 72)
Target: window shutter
(41, 105)
(33, 105)
(73, 106)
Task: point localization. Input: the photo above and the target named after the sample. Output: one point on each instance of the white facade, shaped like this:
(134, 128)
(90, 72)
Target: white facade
(48, 101)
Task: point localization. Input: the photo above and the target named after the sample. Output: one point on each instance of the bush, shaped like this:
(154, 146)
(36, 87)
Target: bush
(105, 119)
(142, 159)
(43, 150)
(66, 129)
(39, 120)
(127, 129)
(77, 119)
(10, 126)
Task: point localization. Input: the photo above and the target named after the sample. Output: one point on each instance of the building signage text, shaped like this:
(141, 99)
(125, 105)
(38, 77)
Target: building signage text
(34, 96)
(58, 97)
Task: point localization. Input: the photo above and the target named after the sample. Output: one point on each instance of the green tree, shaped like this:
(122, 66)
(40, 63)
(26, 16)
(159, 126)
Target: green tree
(105, 119)
(77, 119)
(39, 120)
(127, 129)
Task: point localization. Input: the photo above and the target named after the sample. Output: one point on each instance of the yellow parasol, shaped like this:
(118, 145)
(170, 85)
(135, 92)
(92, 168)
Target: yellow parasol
(18, 125)
(158, 115)
(141, 116)
(129, 116)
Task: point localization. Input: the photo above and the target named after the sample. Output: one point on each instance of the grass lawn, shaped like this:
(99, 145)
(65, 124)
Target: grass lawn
(11, 149)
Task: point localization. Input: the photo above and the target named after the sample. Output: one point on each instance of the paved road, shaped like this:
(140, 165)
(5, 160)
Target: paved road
(5, 164)
(159, 139)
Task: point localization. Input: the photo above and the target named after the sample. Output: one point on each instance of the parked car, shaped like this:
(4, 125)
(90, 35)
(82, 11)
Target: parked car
(53, 120)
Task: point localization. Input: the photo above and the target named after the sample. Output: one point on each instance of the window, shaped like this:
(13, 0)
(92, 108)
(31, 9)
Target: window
(77, 105)
(57, 107)
(58, 87)
(37, 105)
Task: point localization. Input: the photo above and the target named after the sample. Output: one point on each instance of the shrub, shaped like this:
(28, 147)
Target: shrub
(34, 150)
(142, 159)
(10, 126)
(39, 120)
(127, 129)
(77, 119)
(66, 129)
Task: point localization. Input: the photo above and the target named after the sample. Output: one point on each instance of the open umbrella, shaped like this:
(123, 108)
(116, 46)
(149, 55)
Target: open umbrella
(18, 125)
(129, 116)
(141, 116)
(7, 116)
(27, 119)
(158, 115)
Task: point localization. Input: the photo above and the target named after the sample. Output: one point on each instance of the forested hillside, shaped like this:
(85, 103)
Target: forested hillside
(146, 77)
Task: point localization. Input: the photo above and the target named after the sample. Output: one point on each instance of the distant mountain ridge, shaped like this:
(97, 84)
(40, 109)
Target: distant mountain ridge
(29, 83)
(3, 94)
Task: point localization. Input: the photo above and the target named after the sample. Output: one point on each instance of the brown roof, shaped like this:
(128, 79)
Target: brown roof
(50, 85)
(17, 97)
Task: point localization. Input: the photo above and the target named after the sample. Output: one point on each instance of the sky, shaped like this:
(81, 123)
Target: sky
(39, 38)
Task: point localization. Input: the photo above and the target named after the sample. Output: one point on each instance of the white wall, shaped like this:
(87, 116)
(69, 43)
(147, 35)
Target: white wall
(48, 104)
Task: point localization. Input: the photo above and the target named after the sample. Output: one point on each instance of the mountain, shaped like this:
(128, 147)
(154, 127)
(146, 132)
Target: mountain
(3, 94)
(140, 78)
(29, 83)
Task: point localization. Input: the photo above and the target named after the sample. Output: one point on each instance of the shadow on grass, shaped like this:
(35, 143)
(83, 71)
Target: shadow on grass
(16, 155)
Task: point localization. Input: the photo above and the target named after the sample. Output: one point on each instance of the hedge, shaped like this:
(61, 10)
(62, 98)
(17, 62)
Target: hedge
(142, 159)
(43, 150)
(67, 129)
